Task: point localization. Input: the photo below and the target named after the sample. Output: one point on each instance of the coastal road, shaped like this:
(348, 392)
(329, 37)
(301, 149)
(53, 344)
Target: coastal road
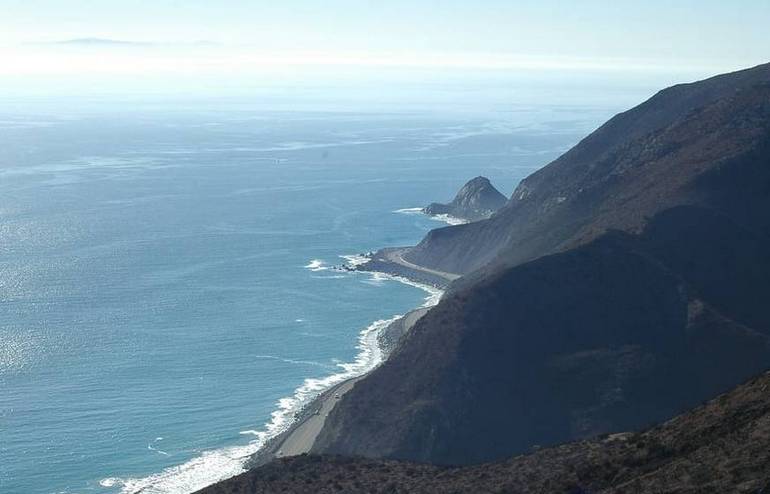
(396, 256)
(301, 436)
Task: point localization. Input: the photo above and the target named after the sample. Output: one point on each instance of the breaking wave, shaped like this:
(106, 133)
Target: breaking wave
(216, 465)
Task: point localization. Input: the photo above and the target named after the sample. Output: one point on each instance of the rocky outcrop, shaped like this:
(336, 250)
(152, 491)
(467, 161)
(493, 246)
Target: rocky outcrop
(478, 199)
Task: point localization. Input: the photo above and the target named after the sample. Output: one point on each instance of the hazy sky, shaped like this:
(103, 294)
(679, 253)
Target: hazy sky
(258, 36)
(711, 31)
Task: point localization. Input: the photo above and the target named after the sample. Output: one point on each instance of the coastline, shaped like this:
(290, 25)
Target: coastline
(292, 431)
(299, 436)
(442, 217)
(294, 424)
(389, 261)
(291, 420)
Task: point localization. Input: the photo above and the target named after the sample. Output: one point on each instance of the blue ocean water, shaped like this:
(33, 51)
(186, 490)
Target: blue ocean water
(163, 281)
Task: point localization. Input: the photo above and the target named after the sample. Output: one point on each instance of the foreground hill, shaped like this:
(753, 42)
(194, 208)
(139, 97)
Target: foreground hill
(723, 446)
(639, 163)
(654, 299)
(476, 200)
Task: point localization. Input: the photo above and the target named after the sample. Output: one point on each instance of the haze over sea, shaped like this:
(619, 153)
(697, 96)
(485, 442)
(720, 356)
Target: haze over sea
(164, 268)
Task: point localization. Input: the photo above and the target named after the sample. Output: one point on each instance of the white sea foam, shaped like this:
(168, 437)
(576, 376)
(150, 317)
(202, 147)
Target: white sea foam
(316, 265)
(449, 219)
(434, 294)
(375, 279)
(378, 278)
(445, 218)
(409, 211)
(216, 465)
(355, 260)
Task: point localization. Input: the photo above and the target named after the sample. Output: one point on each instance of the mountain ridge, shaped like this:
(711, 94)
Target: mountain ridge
(614, 327)
(534, 221)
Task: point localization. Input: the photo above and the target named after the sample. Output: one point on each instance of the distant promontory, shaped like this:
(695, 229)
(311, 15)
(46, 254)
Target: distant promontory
(477, 200)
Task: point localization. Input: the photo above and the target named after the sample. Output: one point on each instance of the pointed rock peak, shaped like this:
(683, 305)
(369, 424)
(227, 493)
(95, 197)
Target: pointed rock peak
(477, 199)
(476, 186)
(479, 181)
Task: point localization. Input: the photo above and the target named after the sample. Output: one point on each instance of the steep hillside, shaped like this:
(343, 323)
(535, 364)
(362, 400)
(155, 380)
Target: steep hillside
(655, 299)
(634, 166)
(723, 446)
(611, 336)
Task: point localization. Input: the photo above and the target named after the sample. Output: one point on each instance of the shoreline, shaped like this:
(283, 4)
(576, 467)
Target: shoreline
(294, 422)
(299, 436)
(390, 262)
(442, 217)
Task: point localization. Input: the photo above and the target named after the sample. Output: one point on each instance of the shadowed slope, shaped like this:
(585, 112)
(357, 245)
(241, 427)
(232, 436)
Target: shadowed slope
(637, 164)
(655, 301)
(610, 336)
(723, 446)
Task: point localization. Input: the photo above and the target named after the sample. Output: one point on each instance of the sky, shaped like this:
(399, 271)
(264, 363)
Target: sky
(301, 39)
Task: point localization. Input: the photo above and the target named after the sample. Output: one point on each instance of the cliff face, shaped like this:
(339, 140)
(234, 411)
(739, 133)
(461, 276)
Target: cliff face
(723, 446)
(478, 199)
(637, 164)
(653, 300)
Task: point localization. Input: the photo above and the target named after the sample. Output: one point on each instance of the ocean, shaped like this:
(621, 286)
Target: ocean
(167, 297)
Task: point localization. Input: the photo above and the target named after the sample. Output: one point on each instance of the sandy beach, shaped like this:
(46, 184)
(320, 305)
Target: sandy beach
(301, 435)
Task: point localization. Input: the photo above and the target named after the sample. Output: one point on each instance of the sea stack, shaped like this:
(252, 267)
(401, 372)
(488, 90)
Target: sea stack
(477, 200)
